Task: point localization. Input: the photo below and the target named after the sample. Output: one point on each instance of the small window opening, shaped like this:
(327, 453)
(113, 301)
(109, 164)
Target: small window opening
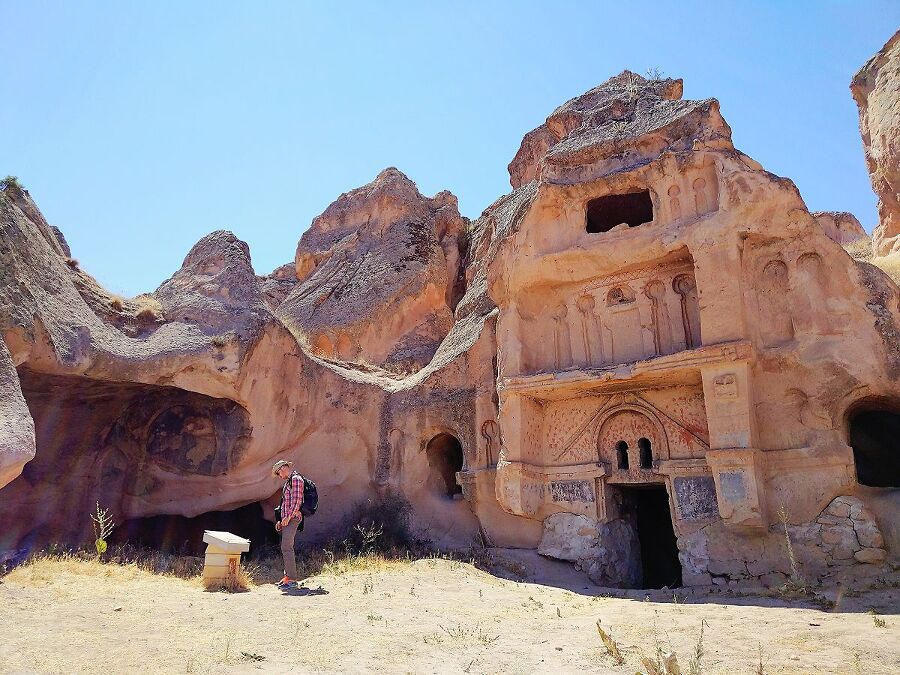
(445, 457)
(622, 455)
(633, 208)
(873, 437)
(646, 453)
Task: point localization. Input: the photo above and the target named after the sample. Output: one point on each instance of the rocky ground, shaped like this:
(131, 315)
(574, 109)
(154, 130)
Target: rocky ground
(429, 615)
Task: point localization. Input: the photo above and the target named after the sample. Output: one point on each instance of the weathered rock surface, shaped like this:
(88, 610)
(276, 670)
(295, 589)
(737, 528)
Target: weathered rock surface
(876, 89)
(378, 275)
(840, 226)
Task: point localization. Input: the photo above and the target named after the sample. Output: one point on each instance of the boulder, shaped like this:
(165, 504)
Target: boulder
(568, 536)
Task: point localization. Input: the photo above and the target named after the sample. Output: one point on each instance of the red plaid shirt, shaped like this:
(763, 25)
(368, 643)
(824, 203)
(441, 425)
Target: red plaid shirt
(292, 496)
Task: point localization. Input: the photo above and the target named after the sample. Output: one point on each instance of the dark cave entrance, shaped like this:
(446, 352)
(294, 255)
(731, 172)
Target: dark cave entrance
(97, 441)
(182, 535)
(874, 435)
(647, 508)
(604, 213)
(445, 458)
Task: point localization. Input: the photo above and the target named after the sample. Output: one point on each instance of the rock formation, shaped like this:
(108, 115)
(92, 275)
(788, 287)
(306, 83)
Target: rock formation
(649, 358)
(840, 226)
(876, 89)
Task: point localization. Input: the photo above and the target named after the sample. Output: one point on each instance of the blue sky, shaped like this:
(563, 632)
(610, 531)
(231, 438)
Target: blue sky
(139, 127)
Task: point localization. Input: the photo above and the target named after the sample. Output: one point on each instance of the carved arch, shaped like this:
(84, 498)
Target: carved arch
(661, 441)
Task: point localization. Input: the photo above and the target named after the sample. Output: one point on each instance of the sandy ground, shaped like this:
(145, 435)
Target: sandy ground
(426, 616)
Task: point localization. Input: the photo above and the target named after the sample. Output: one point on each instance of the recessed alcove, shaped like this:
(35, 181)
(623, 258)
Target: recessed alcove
(631, 208)
(873, 433)
(445, 458)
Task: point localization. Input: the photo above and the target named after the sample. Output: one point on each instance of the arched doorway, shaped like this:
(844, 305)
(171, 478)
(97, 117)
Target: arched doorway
(445, 458)
(873, 432)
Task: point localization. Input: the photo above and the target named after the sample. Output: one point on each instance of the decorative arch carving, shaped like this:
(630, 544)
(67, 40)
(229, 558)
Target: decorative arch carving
(619, 295)
(630, 422)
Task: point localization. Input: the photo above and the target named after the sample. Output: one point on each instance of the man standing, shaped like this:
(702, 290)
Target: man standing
(291, 517)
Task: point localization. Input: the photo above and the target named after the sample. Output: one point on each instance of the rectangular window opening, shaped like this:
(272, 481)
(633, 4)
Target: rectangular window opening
(632, 208)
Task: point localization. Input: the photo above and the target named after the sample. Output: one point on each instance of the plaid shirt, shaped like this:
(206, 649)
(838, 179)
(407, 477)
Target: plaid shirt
(292, 496)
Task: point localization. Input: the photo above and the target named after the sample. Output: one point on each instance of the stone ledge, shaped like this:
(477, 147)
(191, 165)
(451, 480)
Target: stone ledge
(682, 367)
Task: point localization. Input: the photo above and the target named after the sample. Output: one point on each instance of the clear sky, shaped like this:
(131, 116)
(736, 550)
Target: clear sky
(138, 127)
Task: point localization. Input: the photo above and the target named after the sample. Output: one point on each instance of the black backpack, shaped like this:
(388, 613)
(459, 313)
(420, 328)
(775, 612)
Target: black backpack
(310, 499)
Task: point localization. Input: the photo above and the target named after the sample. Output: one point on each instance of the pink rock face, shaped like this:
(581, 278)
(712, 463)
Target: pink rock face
(840, 226)
(649, 328)
(876, 89)
(377, 275)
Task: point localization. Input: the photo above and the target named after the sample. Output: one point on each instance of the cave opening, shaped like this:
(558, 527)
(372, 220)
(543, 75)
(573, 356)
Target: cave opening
(631, 208)
(445, 458)
(184, 536)
(110, 442)
(873, 431)
(648, 511)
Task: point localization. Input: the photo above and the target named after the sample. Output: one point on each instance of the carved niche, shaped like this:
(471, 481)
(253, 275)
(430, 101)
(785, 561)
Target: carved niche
(773, 292)
(660, 324)
(490, 432)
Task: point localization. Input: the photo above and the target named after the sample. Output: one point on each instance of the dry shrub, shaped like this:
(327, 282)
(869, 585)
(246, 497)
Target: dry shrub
(124, 560)
(231, 583)
(116, 303)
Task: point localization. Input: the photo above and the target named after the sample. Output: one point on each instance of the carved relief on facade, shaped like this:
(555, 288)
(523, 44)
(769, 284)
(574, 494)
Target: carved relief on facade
(706, 192)
(591, 332)
(621, 318)
(562, 343)
(490, 433)
(631, 439)
(773, 293)
(660, 324)
(685, 287)
(813, 291)
(675, 202)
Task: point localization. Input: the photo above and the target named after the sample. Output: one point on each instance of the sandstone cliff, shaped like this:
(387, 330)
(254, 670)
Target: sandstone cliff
(876, 88)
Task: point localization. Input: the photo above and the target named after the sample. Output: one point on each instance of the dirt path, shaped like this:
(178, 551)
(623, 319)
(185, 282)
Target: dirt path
(426, 616)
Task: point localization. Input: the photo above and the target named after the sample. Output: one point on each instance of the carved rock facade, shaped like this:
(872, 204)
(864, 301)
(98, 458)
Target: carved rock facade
(649, 359)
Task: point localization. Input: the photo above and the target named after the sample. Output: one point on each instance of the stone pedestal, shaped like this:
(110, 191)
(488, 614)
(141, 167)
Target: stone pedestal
(223, 554)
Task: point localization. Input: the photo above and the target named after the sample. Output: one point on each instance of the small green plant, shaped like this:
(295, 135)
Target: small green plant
(103, 527)
(250, 656)
(367, 586)
(374, 617)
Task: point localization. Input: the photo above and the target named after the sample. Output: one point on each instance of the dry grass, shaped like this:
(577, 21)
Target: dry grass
(237, 583)
(890, 265)
(861, 249)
